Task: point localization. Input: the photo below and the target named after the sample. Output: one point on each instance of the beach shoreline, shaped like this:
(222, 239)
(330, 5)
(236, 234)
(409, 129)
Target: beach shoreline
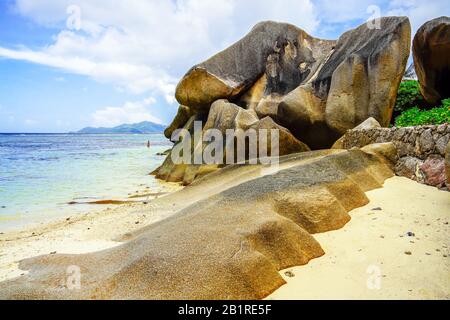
(75, 233)
(379, 239)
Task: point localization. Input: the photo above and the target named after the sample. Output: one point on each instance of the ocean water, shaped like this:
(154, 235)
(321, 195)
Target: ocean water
(40, 174)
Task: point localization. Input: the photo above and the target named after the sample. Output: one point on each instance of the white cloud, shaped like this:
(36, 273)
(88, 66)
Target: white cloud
(419, 11)
(30, 122)
(339, 11)
(147, 45)
(130, 112)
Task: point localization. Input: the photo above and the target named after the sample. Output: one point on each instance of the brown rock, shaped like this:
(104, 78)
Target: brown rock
(368, 124)
(222, 116)
(355, 93)
(271, 48)
(245, 119)
(431, 51)
(434, 171)
(386, 150)
(268, 106)
(181, 118)
(409, 167)
(228, 246)
(344, 93)
(287, 142)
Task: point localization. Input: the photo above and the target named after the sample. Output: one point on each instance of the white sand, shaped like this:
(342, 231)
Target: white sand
(366, 259)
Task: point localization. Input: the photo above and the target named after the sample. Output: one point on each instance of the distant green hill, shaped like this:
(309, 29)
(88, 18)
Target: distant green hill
(136, 128)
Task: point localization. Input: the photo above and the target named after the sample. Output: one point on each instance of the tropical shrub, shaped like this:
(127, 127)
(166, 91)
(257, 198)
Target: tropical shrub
(408, 96)
(417, 117)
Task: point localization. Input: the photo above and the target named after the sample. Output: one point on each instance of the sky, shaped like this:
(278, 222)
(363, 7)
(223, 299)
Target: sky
(68, 64)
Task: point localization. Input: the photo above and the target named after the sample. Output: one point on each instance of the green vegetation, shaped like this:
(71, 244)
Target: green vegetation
(417, 117)
(408, 97)
(411, 109)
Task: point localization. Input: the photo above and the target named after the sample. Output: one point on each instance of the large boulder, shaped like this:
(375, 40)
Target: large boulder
(313, 90)
(360, 79)
(284, 53)
(368, 124)
(431, 50)
(181, 118)
(230, 245)
(287, 142)
(224, 115)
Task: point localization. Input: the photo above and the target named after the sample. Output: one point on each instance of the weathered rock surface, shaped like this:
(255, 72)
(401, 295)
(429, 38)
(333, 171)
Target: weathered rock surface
(274, 49)
(228, 246)
(303, 83)
(433, 170)
(181, 118)
(359, 80)
(314, 89)
(387, 151)
(224, 116)
(370, 123)
(431, 50)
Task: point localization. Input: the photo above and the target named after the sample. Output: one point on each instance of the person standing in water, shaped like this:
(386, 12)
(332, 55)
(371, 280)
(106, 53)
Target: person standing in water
(148, 144)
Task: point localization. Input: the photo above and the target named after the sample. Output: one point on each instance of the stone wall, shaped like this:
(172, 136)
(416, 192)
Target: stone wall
(421, 150)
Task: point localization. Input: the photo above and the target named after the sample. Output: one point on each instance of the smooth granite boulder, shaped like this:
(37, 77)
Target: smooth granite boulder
(230, 245)
(284, 53)
(431, 50)
(368, 124)
(181, 118)
(314, 89)
(359, 80)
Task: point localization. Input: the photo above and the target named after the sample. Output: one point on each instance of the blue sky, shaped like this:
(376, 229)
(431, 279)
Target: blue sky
(67, 64)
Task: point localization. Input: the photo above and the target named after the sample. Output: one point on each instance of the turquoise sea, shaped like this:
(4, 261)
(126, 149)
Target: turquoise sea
(41, 173)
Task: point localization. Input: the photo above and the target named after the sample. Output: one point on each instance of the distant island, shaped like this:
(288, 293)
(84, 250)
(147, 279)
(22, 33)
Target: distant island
(135, 128)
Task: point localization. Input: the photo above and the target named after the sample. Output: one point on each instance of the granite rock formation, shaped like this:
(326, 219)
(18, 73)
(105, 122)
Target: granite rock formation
(313, 90)
(228, 246)
(431, 50)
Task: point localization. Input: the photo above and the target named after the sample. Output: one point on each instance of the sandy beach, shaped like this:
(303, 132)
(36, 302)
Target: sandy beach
(81, 233)
(373, 257)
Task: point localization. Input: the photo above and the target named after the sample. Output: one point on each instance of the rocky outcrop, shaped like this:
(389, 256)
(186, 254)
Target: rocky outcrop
(273, 49)
(421, 150)
(360, 79)
(224, 116)
(312, 90)
(181, 118)
(228, 246)
(370, 123)
(431, 50)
